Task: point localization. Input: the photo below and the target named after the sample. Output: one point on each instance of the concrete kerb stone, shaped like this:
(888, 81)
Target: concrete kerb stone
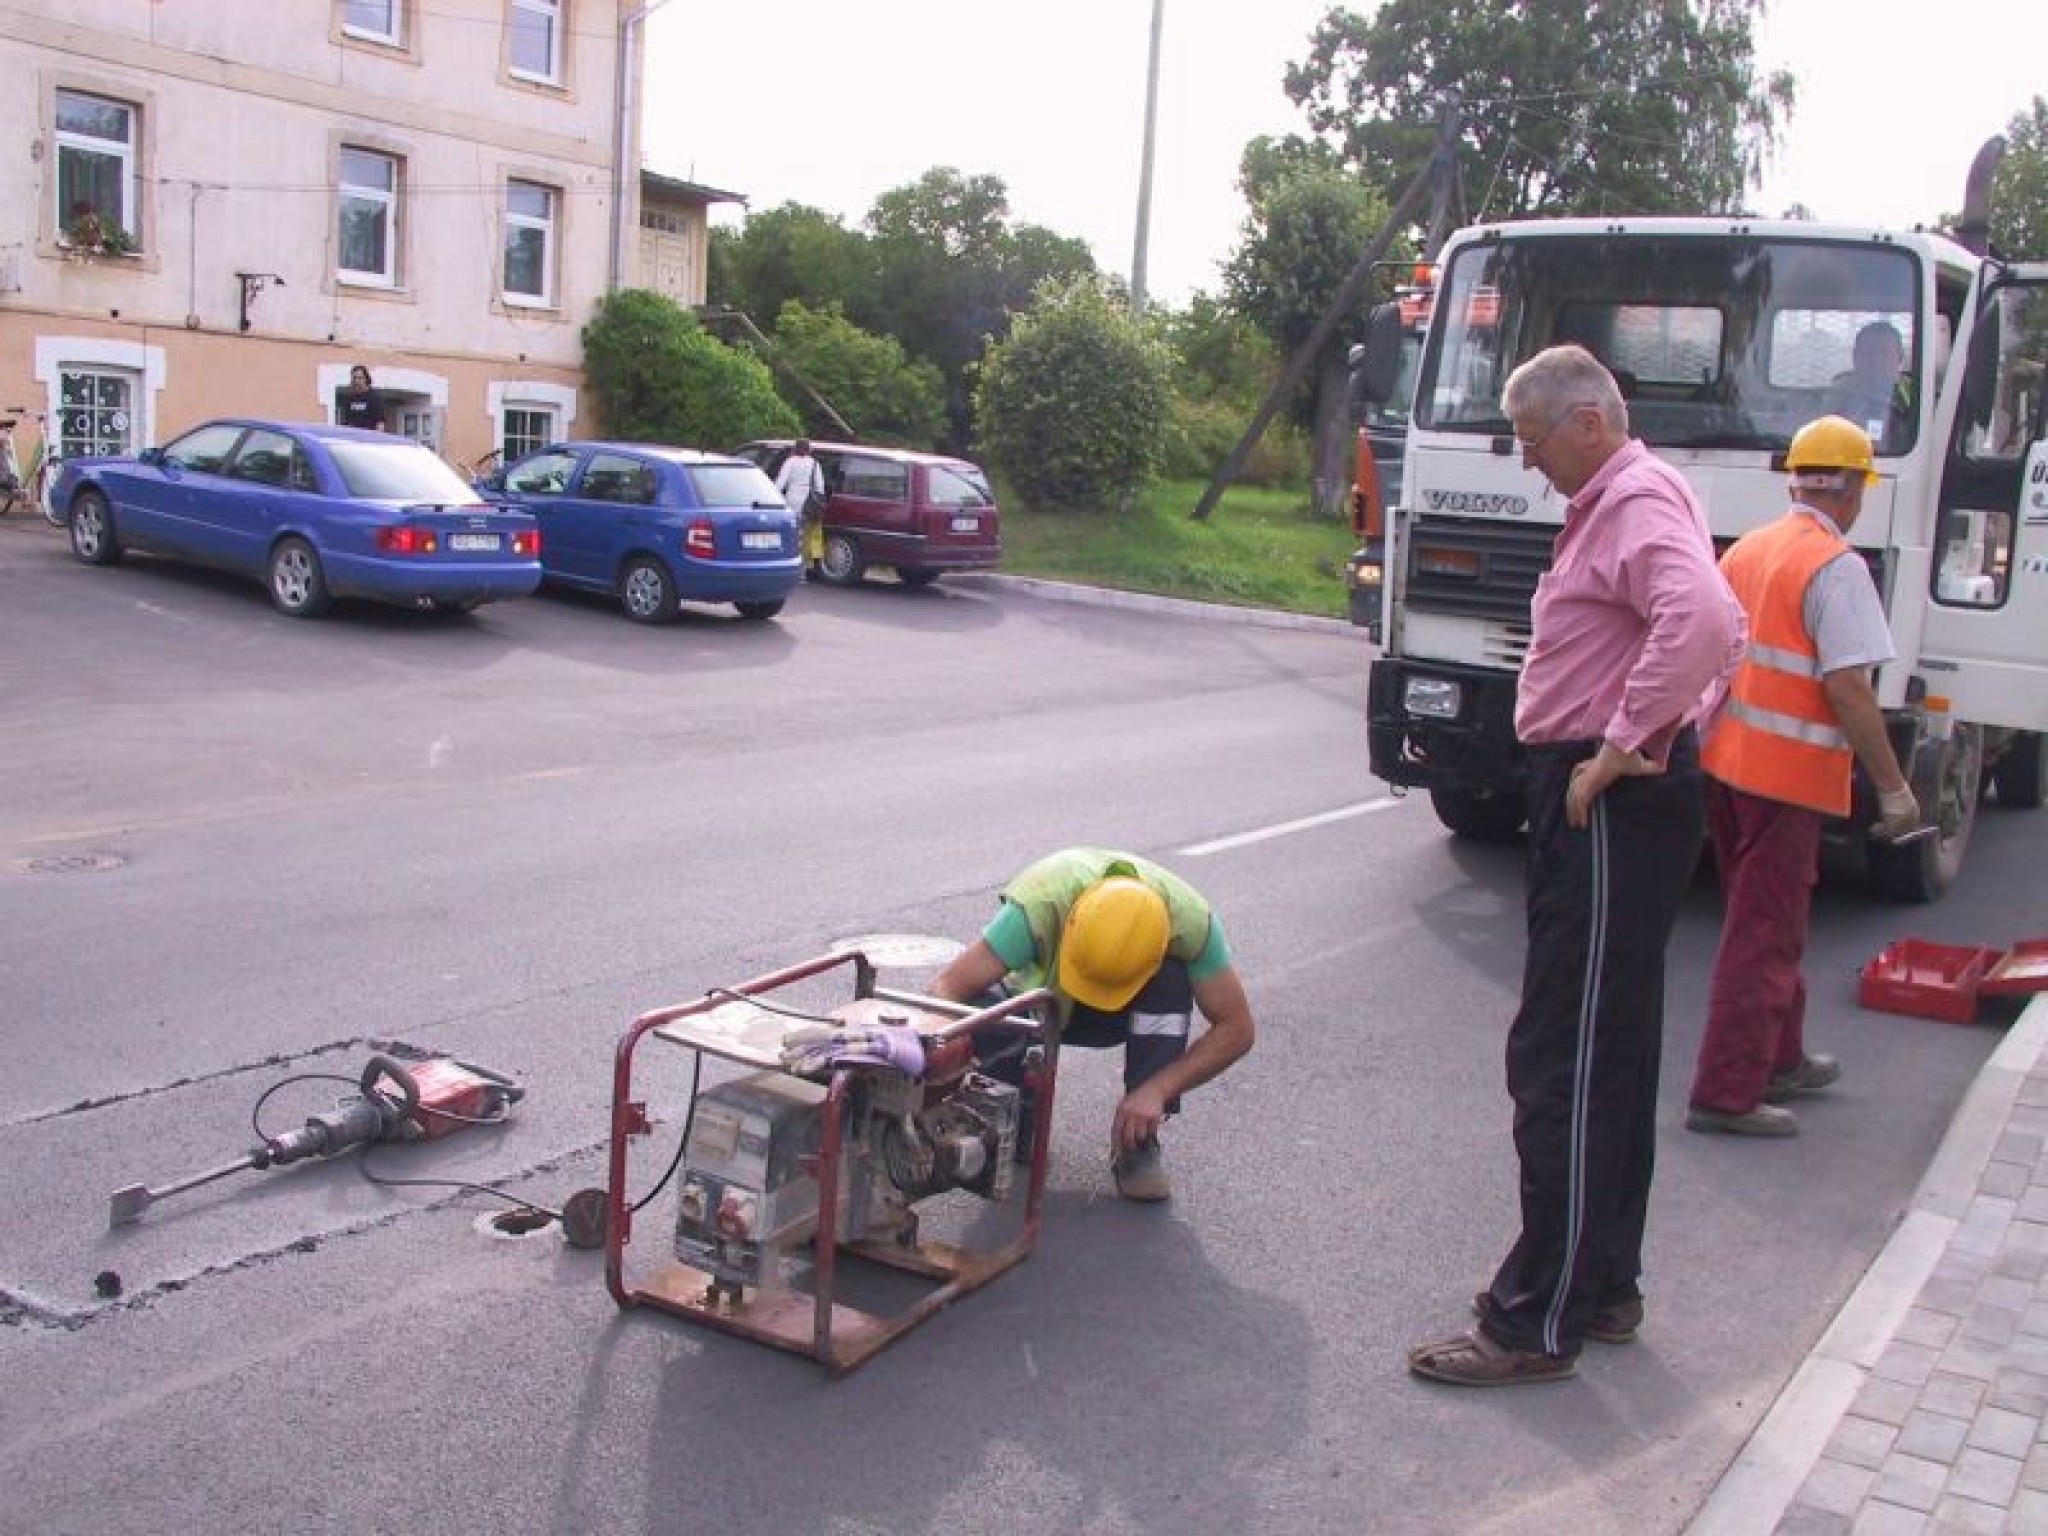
(1765, 1477)
(1109, 597)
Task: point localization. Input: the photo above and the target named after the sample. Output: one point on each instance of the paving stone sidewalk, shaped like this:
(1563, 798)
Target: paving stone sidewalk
(1924, 1408)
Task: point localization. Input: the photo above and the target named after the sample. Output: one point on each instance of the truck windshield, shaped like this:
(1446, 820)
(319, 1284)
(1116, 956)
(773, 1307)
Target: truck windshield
(1722, 341)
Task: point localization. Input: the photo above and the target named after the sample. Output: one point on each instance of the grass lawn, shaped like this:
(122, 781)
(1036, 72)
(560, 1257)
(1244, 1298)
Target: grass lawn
(1258, 549)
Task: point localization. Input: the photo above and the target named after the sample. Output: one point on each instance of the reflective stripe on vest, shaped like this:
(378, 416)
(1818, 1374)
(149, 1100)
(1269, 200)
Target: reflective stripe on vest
(1777, 736)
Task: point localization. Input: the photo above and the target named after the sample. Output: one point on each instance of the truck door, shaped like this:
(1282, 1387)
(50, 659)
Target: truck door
(1985, 643)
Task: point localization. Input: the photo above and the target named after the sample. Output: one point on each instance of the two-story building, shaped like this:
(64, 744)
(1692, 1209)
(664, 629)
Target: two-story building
(221, 209)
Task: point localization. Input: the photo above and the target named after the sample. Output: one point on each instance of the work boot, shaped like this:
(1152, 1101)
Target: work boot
(1764, 1120)
(1141, 1172)
(1811, 1075)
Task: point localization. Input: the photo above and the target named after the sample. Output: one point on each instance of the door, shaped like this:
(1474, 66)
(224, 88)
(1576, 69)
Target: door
(1985, 643)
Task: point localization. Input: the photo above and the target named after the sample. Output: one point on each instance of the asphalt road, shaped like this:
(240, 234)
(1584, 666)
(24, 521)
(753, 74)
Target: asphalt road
(234, 847)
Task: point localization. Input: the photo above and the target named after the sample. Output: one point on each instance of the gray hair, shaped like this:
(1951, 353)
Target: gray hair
(1559, 378)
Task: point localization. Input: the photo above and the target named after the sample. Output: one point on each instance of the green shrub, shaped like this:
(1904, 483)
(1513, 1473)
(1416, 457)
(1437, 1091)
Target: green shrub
(660, 377)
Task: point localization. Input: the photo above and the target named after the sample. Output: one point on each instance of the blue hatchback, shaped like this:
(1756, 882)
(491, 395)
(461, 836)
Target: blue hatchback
(657, 526)
(314, 512)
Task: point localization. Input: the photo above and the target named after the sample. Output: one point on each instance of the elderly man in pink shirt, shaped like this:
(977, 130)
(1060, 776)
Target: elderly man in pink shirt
(1635, 635)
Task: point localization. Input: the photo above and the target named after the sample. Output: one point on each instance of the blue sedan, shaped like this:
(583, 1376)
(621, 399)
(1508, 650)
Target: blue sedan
(314, 512)
(657, 526)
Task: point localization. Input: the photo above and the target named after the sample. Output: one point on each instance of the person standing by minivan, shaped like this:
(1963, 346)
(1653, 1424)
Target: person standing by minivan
(802, 484)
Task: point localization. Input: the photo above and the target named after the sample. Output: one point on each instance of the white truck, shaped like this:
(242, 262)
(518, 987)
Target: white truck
(1727, 335)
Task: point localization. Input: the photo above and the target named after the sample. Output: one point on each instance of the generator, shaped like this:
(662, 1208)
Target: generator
(842, 1123)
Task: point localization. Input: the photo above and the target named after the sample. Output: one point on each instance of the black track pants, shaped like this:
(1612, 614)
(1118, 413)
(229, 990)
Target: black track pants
(1583, 1053)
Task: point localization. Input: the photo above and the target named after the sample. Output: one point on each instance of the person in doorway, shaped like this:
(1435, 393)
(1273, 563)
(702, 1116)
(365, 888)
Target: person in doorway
(802, 484)
(360, 406)
(1131, 950)
(1634, 636)
(1777, 765)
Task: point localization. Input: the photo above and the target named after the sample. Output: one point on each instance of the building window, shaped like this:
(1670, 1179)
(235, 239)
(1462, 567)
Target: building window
(529, 242)
(96, 172)
(98, 411)
(366, 236)
(528, 428)
(536, 41)
(376, 21)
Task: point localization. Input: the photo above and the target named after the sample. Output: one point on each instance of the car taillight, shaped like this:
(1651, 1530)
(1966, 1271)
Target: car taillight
(527, 543)
(700, 539)
(404, 539)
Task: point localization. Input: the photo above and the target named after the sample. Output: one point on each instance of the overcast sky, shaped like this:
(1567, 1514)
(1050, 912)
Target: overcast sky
(828, 104)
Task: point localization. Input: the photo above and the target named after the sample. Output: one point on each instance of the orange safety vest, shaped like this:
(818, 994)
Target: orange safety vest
(1777, 736)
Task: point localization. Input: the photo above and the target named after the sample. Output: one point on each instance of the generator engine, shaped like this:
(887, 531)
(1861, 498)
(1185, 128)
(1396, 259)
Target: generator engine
(747, 1210)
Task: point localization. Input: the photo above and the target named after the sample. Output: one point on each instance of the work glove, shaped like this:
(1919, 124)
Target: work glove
(1898, 812)
(815, 1049)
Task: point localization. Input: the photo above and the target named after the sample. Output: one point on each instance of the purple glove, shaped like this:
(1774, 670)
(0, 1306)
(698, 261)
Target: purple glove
(816, 1048)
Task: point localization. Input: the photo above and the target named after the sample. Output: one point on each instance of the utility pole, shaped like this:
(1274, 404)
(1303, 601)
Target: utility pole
(1144, 235)
(1441, 174)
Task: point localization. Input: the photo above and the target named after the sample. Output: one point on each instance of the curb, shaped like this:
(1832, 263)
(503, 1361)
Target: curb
(1766, 1475)
(1110, 597)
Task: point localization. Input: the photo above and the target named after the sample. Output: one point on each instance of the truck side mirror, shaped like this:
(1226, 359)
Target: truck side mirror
(1378, 361)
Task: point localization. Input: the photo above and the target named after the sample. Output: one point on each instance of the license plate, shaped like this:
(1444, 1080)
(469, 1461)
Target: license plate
(760, 541)
(966, 524)
(472, 541)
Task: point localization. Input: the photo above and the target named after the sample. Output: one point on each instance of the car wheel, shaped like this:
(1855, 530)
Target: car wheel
(765, 609)
(297, 585)
(842, 563)
(647, 592)
(92, 529)
(916, 576)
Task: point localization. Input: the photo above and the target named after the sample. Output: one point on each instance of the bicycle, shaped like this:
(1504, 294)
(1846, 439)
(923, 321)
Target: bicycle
(34, 482)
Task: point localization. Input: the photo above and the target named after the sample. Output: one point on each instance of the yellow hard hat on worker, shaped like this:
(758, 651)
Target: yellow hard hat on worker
(1114, 939)
(1832, 443)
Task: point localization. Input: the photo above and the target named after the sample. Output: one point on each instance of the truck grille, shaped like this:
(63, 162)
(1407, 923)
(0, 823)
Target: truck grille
(1474, 568)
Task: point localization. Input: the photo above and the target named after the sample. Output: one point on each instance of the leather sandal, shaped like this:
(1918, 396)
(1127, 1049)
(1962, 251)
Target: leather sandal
(1474, 1359)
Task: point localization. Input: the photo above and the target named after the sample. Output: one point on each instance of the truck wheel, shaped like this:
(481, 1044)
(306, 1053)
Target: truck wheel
(1482, 815)
(2018, 774)
(1922, 871)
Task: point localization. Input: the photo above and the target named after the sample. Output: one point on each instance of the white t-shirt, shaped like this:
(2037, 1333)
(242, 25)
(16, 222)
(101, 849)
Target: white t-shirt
(799, 479)
(1842, 610)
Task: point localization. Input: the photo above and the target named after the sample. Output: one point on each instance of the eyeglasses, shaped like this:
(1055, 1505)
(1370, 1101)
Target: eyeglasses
(1535, 444)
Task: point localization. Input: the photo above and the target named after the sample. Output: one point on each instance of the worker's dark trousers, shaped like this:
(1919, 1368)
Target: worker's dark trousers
(1153, 1029)
(1583, 1052)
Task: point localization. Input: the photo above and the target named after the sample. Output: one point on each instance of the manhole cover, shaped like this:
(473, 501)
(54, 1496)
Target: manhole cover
(75, 863)
(899, 950)
(517, 1224)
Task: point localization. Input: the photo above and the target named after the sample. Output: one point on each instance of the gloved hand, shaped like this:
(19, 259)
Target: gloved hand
(816, 1049)
(1898, 811)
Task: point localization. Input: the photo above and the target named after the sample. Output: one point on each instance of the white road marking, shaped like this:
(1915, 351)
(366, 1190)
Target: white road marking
(1282, 829)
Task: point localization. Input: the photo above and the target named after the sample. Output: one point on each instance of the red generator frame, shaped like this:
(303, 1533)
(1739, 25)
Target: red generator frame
(820, 1325)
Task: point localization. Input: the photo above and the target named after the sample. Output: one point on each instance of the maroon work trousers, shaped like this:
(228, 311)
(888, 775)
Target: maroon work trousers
(1768, 856)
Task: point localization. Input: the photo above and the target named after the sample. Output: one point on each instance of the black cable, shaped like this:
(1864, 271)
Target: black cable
(683, 1143)
(363, 1167)
(263, 1098)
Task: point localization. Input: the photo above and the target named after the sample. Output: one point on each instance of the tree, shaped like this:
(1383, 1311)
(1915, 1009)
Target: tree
(886, 396)
(1309, 222)
(659, 377)
(950, 271)
(2019, 192)
(1570, 106)
(1072, 406)
(1223, 367)
(790, 252)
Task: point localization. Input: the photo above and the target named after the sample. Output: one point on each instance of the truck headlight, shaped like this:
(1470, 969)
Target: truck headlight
(1432, 698)
(1365, 575)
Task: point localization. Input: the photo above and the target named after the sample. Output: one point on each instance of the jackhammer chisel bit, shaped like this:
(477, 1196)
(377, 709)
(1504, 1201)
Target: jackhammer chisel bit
(128, 1204)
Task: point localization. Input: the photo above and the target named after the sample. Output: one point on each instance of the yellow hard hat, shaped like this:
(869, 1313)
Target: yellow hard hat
(1831, 442)
(1114, 940)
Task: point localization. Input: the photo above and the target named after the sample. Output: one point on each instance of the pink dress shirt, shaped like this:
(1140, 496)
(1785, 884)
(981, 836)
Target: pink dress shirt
(1635, 632)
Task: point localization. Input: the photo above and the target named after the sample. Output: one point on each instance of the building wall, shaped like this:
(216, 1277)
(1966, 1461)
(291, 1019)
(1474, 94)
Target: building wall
(238, 152)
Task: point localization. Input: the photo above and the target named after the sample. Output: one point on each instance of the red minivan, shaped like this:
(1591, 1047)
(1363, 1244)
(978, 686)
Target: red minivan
(921, 514)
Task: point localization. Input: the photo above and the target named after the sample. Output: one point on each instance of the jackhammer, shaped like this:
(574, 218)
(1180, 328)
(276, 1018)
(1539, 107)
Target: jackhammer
(399, 1101)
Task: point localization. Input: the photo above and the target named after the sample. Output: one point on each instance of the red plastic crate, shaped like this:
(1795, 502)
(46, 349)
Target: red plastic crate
(1928, 980)
(2023, 968)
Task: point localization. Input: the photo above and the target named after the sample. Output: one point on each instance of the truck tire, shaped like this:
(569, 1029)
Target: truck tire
(1921, 871)
(1480, 815)
(2019, 771)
